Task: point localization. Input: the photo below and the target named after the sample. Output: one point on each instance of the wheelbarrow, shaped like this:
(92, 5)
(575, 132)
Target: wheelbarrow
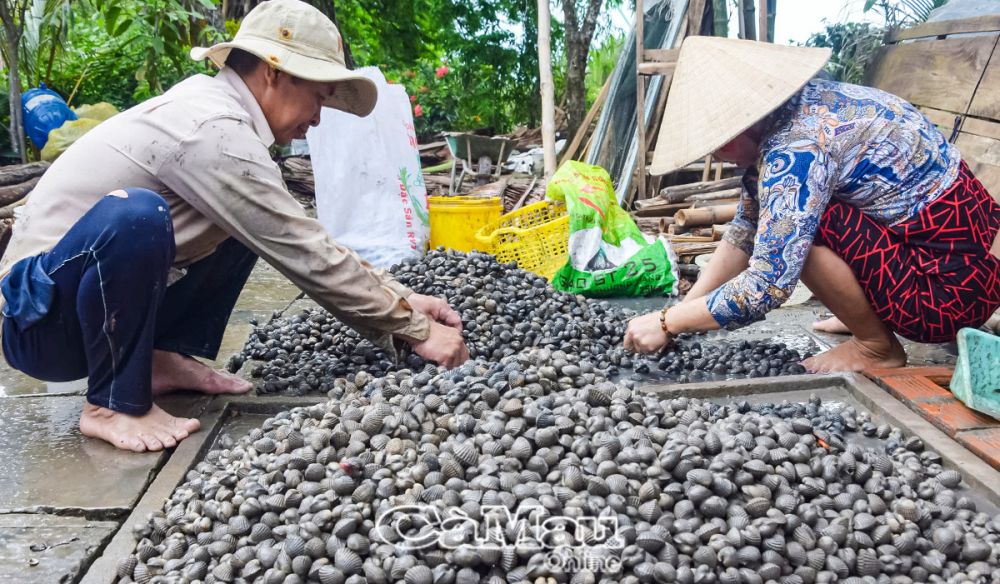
(479, 156)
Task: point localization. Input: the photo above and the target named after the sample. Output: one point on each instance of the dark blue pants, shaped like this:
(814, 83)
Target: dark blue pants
(98, 303)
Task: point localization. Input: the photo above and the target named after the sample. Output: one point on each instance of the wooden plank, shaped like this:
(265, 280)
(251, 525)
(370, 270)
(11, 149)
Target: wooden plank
(656, 68)
(662, 55)
(939, 74)
(982, 154)
(695, 15)
(945, 121)
(986, 102)
(979, 148)
(984, 128)
(989, 23)
(989, 175)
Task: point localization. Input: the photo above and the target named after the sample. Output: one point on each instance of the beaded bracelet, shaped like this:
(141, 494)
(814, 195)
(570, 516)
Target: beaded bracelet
(663, 320)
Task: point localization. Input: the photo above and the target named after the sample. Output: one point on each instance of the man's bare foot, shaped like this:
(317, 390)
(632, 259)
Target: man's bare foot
(854, 355)
(154, 430)
(831, 325)
(173, 372)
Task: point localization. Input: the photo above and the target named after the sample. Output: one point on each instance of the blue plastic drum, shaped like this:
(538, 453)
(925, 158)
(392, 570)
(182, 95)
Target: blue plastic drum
(44, 111)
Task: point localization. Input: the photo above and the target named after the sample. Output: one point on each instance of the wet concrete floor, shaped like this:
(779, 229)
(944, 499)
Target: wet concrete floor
(47, 464)
(49, 548)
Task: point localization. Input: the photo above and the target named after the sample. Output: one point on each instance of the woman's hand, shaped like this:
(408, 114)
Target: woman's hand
(645, 334)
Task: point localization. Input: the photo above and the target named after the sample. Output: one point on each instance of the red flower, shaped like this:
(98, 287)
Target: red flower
(413, 99)
(418, 111)
(441, 71)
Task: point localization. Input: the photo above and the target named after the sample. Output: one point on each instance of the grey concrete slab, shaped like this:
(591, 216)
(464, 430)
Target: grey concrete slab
(49, 548)
(45, 462)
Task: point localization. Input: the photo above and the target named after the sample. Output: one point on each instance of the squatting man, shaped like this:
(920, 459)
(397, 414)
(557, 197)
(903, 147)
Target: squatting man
(136, 243)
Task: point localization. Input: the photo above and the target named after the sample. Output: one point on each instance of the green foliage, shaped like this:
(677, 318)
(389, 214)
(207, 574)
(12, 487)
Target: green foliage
(899, 13)
(490, 47)
(854, 44)
(601, 63)
(121, 52)
(125, 51)
(163, 31)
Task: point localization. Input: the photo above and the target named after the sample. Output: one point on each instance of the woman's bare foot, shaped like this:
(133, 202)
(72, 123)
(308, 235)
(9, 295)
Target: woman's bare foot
(831, 325)
(173, 372)
(154, 430)
(855, 355)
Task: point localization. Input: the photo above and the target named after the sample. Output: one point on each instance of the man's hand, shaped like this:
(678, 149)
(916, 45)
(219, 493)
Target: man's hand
(436, 309)
(445, 346)
(645, 334)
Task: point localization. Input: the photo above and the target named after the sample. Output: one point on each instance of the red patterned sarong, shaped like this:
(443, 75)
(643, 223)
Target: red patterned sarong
(932, 274)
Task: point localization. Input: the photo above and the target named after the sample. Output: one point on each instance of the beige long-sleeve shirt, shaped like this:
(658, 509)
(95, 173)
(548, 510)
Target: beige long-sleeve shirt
(203, 145)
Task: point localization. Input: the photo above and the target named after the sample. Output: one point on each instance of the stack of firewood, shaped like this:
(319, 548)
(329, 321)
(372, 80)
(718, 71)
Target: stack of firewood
(15, 183)
(692, 216)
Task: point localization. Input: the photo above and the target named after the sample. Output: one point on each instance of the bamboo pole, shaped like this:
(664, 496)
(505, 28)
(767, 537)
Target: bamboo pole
(762, 22)
(705, 215)
(548, 89)
(678, 193)
(640, 102)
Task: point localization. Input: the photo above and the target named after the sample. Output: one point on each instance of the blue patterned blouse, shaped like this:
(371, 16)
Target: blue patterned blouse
(859, 145)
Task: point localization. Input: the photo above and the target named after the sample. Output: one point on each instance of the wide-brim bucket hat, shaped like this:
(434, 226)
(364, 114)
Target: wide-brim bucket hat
(297, 38)
(723, 86)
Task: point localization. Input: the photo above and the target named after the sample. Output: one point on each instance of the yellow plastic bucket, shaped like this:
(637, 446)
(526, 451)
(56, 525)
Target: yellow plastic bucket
(455, 221)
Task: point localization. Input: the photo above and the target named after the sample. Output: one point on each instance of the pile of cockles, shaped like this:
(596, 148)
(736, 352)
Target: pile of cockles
(535, 467)
(504, 311)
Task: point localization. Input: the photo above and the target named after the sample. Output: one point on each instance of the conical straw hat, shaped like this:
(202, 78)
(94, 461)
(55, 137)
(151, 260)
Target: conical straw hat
(723, 86)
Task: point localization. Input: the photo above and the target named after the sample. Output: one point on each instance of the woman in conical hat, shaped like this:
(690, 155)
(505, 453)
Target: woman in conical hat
(847, 188)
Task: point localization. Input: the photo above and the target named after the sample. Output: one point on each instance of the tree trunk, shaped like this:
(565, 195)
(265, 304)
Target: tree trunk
(13, 30)
(579, 34)
(576, 87)
(529, 62)
(16, 112)
(548, 99)
(329, 7)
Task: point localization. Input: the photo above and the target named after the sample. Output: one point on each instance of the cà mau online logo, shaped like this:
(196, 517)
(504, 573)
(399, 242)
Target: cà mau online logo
(416, 527)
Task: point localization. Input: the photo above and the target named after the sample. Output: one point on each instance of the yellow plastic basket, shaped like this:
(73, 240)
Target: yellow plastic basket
(534, 237)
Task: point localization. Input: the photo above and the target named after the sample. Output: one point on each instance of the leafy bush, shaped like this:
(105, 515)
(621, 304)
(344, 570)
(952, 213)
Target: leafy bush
(854, 44)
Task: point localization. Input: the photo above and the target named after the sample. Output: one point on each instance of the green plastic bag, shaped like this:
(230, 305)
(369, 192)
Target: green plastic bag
(608, 255)
(63, 137)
